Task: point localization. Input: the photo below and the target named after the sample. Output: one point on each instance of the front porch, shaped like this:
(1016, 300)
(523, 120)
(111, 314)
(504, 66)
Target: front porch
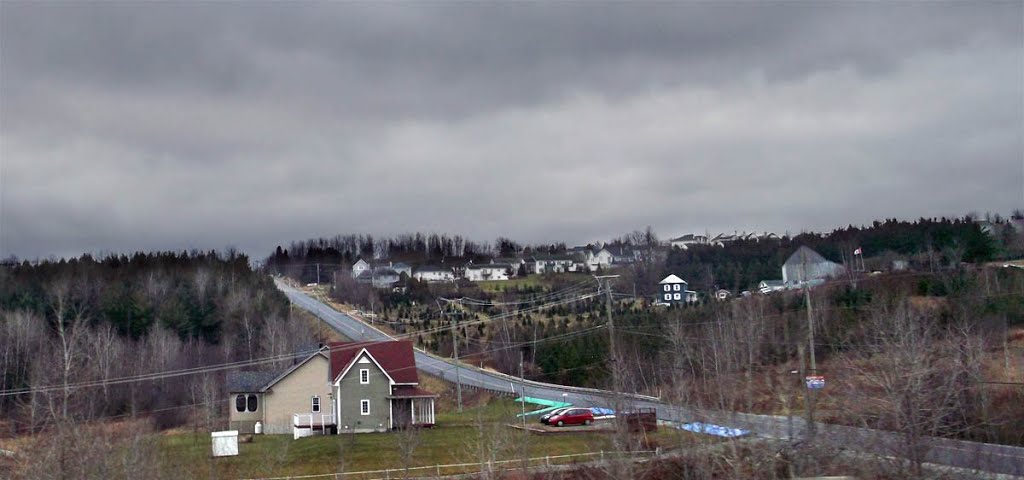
(411, 407)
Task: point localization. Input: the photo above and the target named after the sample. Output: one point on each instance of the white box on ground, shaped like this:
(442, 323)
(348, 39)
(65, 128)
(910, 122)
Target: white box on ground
(225, 444)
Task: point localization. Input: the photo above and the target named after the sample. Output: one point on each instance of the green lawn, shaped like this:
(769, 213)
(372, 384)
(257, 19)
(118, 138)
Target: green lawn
(532, 280)
(456, 439)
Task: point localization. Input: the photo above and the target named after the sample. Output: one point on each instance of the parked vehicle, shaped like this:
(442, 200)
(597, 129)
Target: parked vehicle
(558, 411)
(572, 416)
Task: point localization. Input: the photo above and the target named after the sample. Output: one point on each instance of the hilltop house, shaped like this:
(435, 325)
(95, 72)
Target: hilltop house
(552, 264)
(342, 387)
(769, 286)
(488, 271)
(593, 257)
(675, 290)
(685, 241)
(430, 273)
(806, 265)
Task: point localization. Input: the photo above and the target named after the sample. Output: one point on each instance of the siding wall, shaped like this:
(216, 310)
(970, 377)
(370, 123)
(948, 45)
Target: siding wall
(245, 422)
(350, 392)
(294, 393)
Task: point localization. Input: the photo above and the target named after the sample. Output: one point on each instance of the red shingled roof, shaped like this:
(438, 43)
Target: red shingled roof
(395, 357)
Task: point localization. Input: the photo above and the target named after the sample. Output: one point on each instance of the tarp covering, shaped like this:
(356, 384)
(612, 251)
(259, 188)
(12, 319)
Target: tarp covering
(541, 401)
(710, 429)
(549, 405)
(602, 412)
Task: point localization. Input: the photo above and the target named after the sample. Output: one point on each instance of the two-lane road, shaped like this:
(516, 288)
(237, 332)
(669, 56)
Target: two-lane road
(984, 457)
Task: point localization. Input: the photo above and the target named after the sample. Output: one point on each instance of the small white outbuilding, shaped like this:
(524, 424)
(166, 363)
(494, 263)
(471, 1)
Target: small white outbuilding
(225, 444)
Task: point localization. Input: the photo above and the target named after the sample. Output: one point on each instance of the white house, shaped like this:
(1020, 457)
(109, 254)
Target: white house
(359, 267)
(487, 271)
(685, 241)
(428, 273)
(807, 265)
(553, 264)
(769, 286)
(674, 290)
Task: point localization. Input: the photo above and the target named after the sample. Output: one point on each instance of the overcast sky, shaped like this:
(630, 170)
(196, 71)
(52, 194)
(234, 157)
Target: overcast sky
(148, 126)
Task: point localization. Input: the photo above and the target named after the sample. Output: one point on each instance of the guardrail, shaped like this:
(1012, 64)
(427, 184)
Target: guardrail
(436, 471)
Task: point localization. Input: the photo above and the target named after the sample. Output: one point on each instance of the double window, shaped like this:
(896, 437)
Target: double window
(246, 403)
(316, 405)
(668, 288)
(364, 376)
(364, 407)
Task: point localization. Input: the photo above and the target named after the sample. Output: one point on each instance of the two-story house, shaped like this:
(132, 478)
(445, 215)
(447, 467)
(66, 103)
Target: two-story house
(675, 290)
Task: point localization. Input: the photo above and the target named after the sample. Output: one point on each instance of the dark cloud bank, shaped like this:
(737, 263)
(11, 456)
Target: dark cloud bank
(174, 125)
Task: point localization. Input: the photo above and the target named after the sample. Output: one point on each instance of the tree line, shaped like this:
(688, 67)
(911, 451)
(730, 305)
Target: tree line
(89, 320)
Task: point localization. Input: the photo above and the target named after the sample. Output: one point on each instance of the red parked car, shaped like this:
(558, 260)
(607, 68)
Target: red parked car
(573, 416)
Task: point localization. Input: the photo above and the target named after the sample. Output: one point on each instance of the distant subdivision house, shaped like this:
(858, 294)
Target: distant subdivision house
(488, 271)
(769, 286)
(592, 257)
(685, 241)
(806, 265)
(675, 290)
(343, 387)
(553, 264)
(380, 277)
(430, 273)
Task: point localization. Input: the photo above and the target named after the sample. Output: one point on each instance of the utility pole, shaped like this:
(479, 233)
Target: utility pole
(621, 440)
(812, 393)
(522, 387)
(613, 352)
(455, 352)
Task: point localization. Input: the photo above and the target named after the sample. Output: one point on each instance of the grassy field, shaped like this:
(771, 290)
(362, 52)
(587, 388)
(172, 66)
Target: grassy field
(544, 281)
(457, 438)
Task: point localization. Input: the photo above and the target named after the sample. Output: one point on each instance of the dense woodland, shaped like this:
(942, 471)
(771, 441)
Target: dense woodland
(85, 320)
(926, 244)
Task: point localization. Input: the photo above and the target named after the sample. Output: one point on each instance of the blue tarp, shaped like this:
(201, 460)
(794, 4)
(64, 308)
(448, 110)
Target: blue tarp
(600, 412)
(716, 430)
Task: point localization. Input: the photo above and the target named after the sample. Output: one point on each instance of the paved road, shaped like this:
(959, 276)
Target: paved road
(972, 455)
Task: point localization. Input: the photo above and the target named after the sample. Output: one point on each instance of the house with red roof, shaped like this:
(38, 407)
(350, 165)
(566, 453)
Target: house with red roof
(343, 387)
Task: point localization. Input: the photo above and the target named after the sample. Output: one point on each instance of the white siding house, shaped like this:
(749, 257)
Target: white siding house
(489, 271)
(807, 265)
(434, 274)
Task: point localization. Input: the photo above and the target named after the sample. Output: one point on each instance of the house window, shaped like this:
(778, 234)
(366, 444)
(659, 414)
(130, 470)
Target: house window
(240, 403)
(251, 403)
(676, 296)
(316, 405)
(364, 376)
(668, 288)
(364, 407)
(675, 287)
(668, 296)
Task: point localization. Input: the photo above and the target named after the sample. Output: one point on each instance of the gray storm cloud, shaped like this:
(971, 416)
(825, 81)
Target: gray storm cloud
(128, 126)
